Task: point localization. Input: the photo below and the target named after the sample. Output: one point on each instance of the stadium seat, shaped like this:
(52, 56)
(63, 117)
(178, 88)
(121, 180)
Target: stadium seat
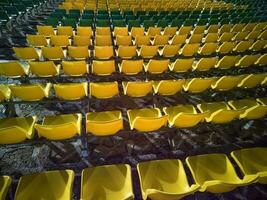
(182, 65)
(169, 183)
(104, 123)
(13, 69)
(103, 68)
(153, 31)
(137, 88)
(156, 66)
(103, 31)
(179, 39)
(115, 182)
(5, 182)
(44, 69)
(262, 60)
(137, 31)
(103, 52)
(197, 85)
(81, 40)
(126, 52)
(227, 62)
(258, 45)
(47, 31)
(168, 87)
(211, 38)
(78, 53)
(5, 93)
(146, 119)
(148, 51)
(37, 40)
(84, 31)
(16, 130)
(65, 30)
(142, 40)
(46, 185)
(59, 127)
(252, 80)
(71, 91)
(75, 68)
(122, 31)
(204, 64)
(53, 53)
(183, 116)
(104, 90)
(171, 31)
(253, 110)
(242, 46)
(131, 67)
(208, 49)
(247, 60)
(226, 83)
(205, 168)
(103, 40)
(160, 40)
(226, 47)
(189, 49)
(26, 53)
(195, 38)
(30, 92)
(219, 112)
(123, 40)
(59, 40)
(252, 162)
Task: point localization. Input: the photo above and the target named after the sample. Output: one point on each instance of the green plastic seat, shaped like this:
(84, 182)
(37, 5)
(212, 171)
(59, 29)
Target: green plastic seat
(133, 23)
(86, 22)
(119, 23)
(149, 23)
(69, 22)
(162, 23)
(52, 22)
(102, 23)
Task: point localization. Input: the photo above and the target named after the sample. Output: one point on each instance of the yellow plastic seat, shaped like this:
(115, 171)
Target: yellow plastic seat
(189, 49)
(262, 101)
(104, 123)
(103, 52)
(32, 92)
(65, 30)
(247, 61)
(60, 127)
(211, 37)
(237, 27)
(171, 31)
(126, 52)
(103, 40)
(252, 161)
(183, 116)
(13, 69)
(157, 66)
(78, 53)
(225, 28)
(219, 112)
(182, 65)
(5, 92)
(253, 110)
(226, 83)
(135, 31)
(5, 182)
(259, 26)
(227, 62)
(26, 53)
(169, 51)
(75, 68)
(214, 28)
(124, 40)
(160, 40)
(44, 69)
(146, 119)
(185, 30)
(47, 31)
(46, 185)
(226, 47)
(59, 40)
(240, 36)
(253, 35)
(103, 68)
(81, 40)
(208, 49)
(148, 51)
(71, 91)
(243, 46)
(215, 173)
(249, 27)
(37, 40)
(53, 53)
(107, 182)
(16, 130)
(263, 35)
(258, 45)
(197, 85)
(153, 31)
(169, 183)
(122, 31)
(104, 90)
(84, 31)
(178, 39)
(168, 87)
(199, 29)
(204, 64)
(131, 67)
(195, 38)
(137, 88)
(226, 37)
(103, 31)
(252, 80)
(262, 60)
(142, 40)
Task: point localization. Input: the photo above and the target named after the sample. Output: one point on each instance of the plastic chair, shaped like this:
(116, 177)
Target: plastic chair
(226, 83)
(47, 31)
(26, 53)
(5, 182)
(75, 68)
(103, 68)
(59, 40)
(103, 52)
(44, 69)
(5, 93)
(252, 80)
(205, 64)
(157, 66)
(189, 49)
(227, 62)
(53, 53)
(247, 61)
(126, 52)
(13, 69)
(65, 30)
(169, 51)
(197, 85)
(36, 40)
(123, 40)
(148, 51)
(137, 88)
(78, 53)
(84, 31)
(168, 87)
(71, 91)
(131, 67)
(182, 65)
(104, 90)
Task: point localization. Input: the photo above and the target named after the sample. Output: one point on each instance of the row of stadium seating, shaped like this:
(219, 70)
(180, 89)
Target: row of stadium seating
(105, 90)
(58, 127)
(171, 180)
